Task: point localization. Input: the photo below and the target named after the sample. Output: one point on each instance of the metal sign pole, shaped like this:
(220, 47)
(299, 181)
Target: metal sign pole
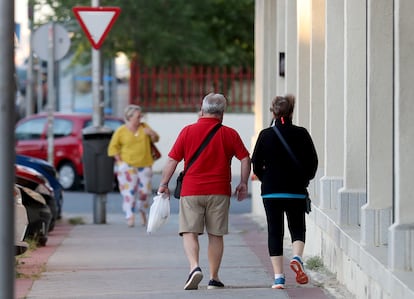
(7, 153)
(39, 87)
(51, 93)
(99, 200)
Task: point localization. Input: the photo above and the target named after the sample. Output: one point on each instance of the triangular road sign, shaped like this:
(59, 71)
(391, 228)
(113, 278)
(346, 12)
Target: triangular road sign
(96, 22)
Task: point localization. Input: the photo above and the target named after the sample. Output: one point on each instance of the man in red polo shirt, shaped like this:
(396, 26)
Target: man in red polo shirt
(206, 188)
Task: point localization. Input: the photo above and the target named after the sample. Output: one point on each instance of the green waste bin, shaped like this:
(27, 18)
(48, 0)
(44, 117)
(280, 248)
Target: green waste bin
(98, 168)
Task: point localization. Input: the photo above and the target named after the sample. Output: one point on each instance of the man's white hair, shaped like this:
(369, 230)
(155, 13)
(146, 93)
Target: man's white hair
(214, 103)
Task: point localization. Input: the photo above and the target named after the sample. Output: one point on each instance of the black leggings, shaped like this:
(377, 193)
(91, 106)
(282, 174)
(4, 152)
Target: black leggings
(295, 213)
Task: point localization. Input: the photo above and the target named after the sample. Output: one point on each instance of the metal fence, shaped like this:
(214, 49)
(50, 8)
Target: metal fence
(181, 89)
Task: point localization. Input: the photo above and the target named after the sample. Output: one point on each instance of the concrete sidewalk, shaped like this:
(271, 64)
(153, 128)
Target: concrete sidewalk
(109, 261)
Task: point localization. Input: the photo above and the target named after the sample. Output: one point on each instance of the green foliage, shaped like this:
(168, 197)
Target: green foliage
(314, 263)
(168, 32)
(76, 221)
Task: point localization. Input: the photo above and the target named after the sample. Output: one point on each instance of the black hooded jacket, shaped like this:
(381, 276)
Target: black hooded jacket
(273, 165)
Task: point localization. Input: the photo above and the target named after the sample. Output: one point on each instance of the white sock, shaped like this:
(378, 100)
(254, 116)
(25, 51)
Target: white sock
(279, 276)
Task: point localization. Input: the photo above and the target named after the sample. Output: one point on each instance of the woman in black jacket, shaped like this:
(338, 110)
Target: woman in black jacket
(285, 177)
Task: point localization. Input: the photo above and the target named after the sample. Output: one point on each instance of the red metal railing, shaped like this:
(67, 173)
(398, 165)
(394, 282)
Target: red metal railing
(181, 89)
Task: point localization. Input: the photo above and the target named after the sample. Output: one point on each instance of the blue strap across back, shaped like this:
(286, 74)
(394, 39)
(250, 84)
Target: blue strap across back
(283, 195)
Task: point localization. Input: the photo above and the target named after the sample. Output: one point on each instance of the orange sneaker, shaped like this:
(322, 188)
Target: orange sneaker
(297, 266)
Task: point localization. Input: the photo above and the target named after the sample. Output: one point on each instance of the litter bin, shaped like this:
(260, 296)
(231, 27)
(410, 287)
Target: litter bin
(98, 168)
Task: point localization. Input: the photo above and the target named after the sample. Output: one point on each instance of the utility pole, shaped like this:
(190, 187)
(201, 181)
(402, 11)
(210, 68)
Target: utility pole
(7, 154)
(30, 77)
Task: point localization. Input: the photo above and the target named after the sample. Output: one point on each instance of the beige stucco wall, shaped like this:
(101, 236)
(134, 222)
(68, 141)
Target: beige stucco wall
(366, 131)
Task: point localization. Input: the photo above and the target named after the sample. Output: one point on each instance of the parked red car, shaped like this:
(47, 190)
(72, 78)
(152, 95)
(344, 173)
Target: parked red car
(32, 140)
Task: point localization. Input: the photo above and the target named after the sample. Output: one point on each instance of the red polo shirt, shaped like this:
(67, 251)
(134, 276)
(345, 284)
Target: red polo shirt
(211, 172)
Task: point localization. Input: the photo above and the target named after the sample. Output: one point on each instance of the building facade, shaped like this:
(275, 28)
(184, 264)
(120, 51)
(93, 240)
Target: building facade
(350, 64)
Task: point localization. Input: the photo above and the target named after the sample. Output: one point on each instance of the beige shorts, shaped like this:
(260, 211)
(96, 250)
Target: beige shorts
(209, 211)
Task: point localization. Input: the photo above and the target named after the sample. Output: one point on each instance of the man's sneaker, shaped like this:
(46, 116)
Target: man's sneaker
(214, 284)
(279, 283)
(297, 266)
(194, 279)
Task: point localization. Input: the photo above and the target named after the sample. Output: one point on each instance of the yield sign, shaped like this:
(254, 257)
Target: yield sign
(96, 22)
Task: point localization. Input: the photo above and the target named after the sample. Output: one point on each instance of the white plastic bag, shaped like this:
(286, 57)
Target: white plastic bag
(159, 212)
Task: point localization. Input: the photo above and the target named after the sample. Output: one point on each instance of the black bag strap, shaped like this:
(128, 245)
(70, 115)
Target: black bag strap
(202, 146)
(289, 150)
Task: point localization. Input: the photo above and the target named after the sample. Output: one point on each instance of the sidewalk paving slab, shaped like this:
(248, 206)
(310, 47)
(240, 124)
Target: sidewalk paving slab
(106, 261)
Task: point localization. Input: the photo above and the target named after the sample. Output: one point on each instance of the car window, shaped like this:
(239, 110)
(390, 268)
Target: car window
(31, 129)
(110, 123)
(62, 127)
(87, 123)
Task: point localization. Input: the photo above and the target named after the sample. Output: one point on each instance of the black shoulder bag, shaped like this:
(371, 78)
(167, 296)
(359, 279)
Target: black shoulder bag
(177, 191)
(292, 155)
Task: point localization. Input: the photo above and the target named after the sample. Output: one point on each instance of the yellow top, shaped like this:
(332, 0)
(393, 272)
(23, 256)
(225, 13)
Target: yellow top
(133, 148)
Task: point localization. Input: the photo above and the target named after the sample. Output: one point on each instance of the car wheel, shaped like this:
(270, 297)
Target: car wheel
(41, 241)
(59, 207)
(52, 204)
(68, 177)
(52, 224)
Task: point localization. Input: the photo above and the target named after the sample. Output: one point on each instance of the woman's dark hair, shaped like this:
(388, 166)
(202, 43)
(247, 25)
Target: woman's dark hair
(282, 106)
